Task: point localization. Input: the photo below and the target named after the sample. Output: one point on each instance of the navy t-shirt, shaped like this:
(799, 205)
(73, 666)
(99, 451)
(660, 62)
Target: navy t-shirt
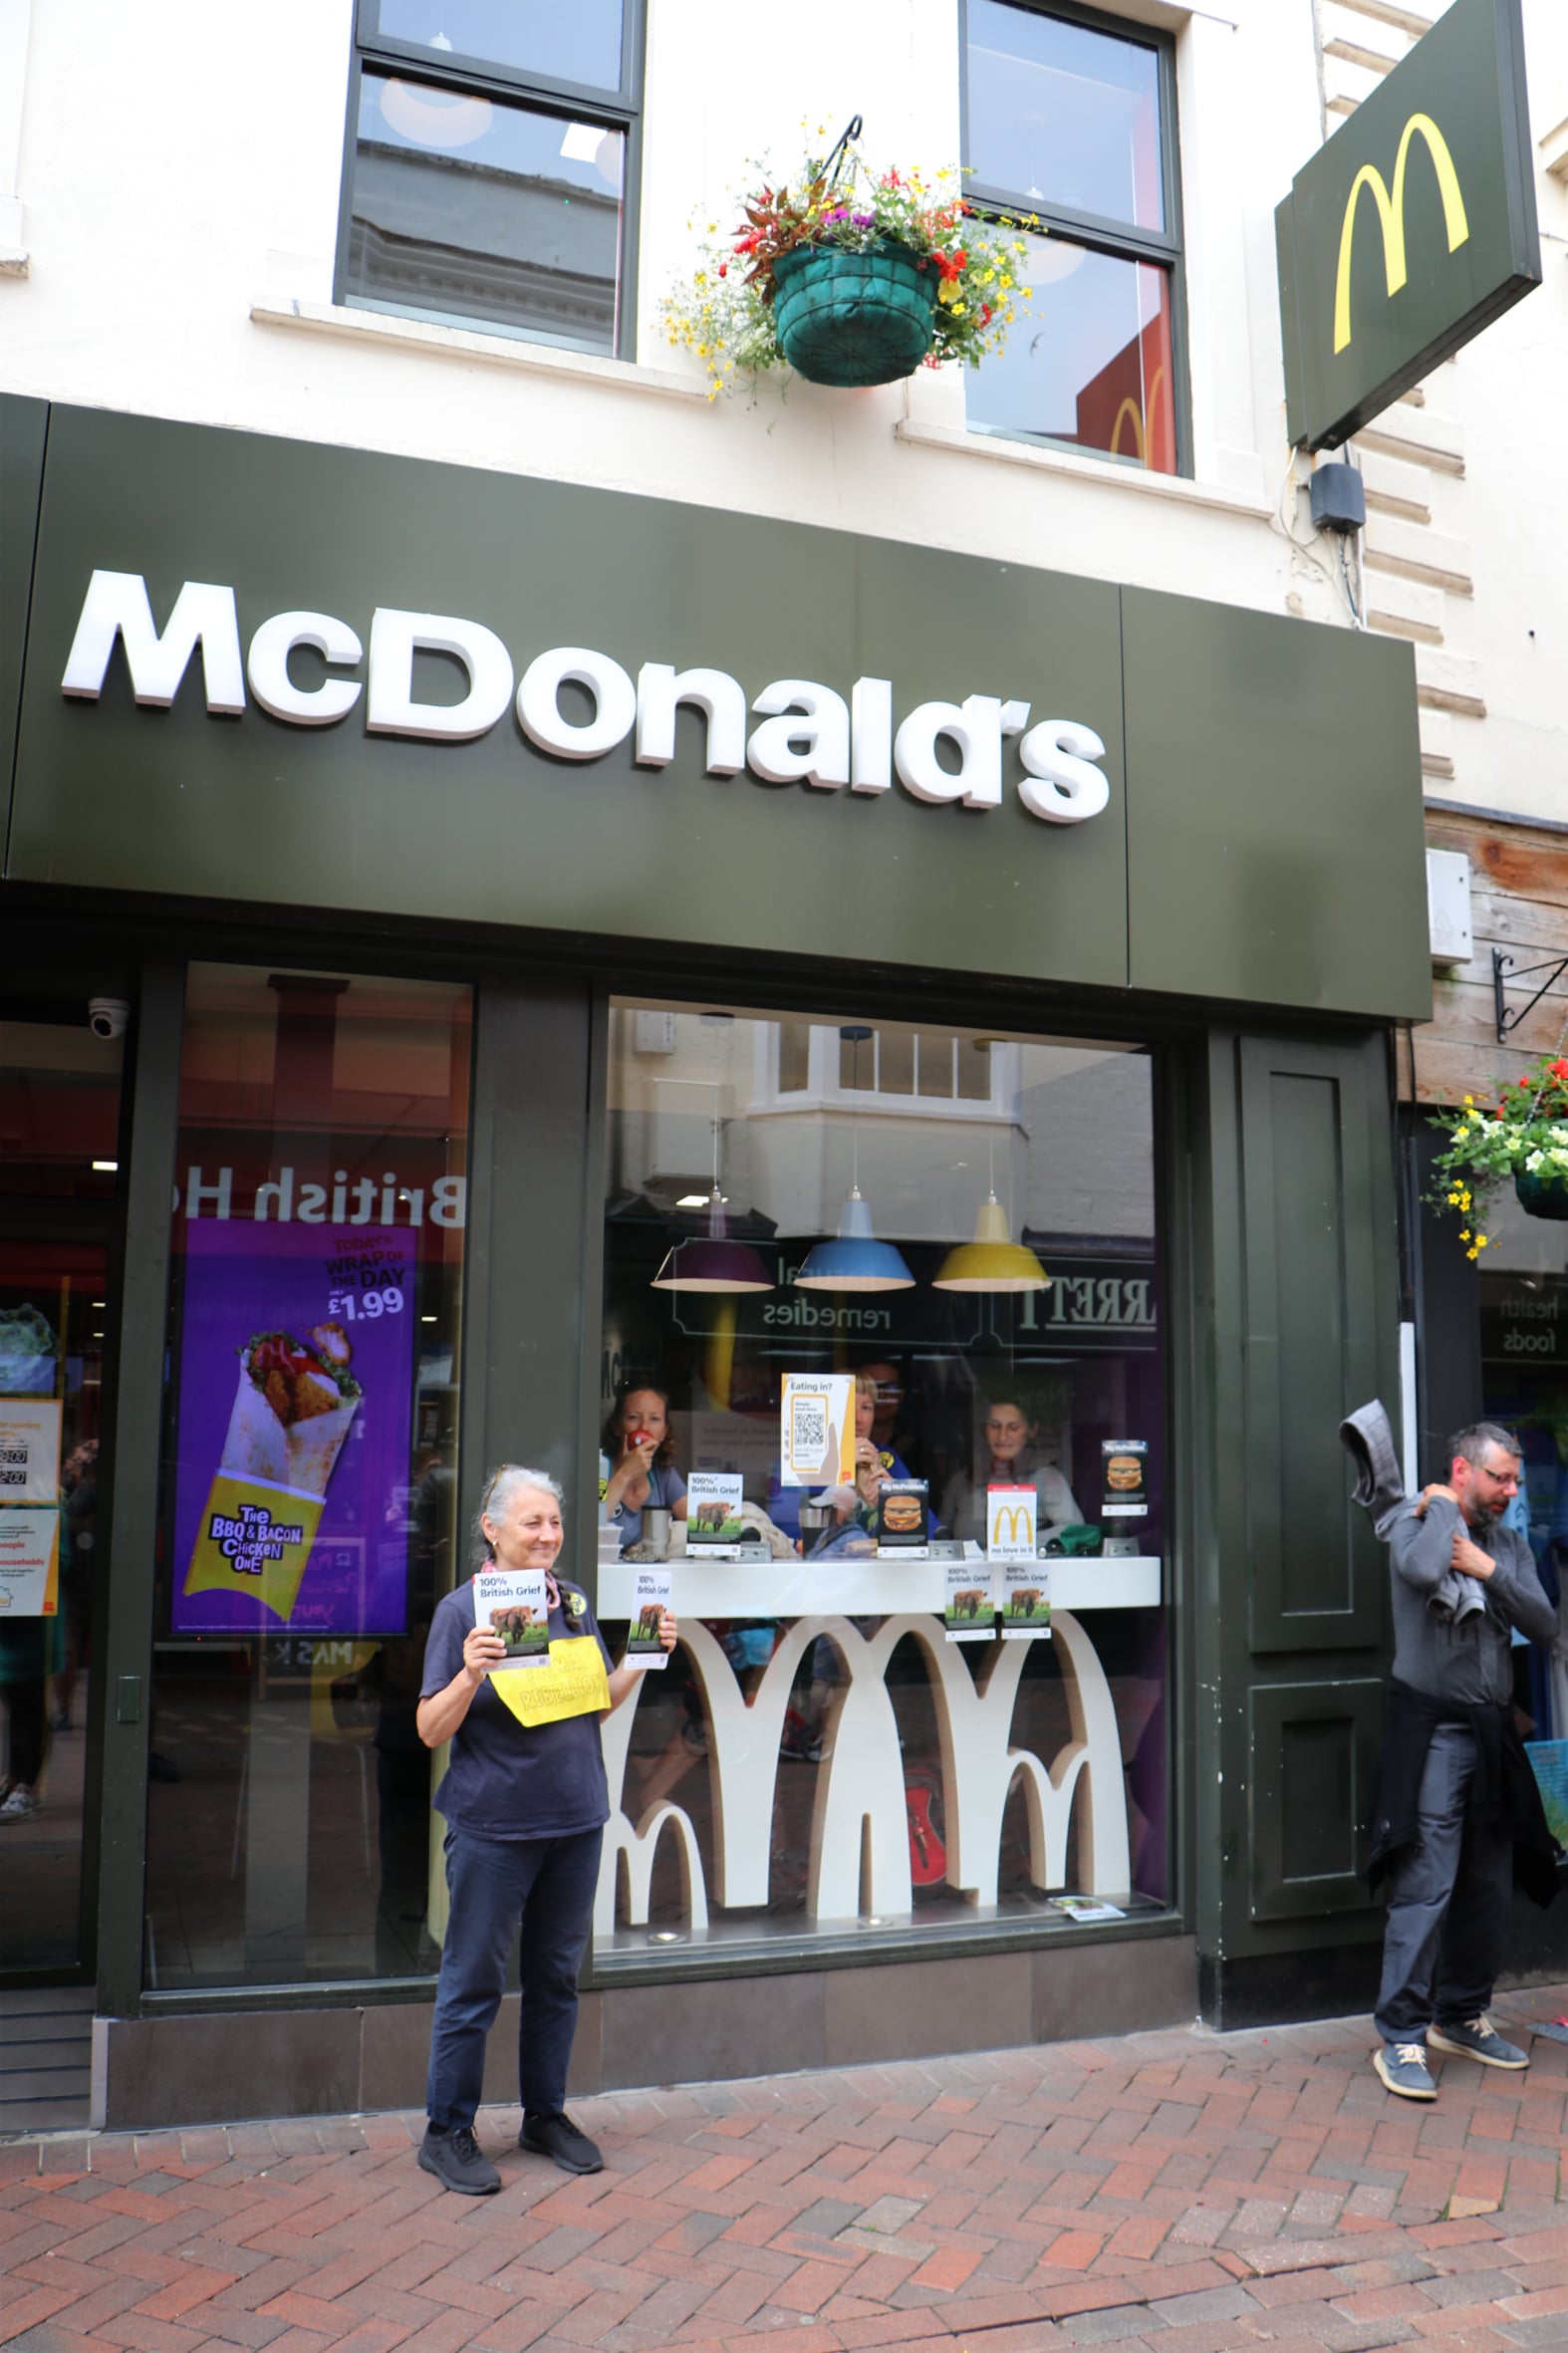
(508, 1779)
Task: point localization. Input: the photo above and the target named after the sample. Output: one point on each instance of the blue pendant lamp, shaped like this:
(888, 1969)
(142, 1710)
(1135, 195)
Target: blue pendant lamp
(854, 1260)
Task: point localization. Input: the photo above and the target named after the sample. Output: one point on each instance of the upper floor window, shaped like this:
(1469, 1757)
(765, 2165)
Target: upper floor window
(490, 146)
(1071, 116)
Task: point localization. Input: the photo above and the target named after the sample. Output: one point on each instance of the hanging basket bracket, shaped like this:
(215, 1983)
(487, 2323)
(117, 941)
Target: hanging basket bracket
(1503, 969)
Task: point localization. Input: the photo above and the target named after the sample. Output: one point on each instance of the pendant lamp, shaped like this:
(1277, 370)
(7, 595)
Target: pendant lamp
(711, 1261)
(856, 1260)
(993, 1261)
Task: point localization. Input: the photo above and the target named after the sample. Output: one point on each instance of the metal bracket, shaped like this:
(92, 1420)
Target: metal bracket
(1502, 967)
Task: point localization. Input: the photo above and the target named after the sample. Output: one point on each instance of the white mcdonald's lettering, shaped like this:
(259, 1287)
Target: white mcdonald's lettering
(810, 733)
(859, 1847)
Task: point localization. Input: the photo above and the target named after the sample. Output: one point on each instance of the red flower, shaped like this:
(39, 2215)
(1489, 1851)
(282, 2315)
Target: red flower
(723, 269)
(1560, 1070)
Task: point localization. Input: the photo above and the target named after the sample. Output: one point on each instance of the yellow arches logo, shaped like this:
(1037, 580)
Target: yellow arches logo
(1016, 1516)
(1390, 215)
(1131, 413)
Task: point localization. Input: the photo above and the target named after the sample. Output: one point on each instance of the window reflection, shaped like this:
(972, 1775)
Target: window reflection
(1063, 115)
(581, 43)
(1092, 366)
(483, 210)
(310, 1486)
(805, 1765)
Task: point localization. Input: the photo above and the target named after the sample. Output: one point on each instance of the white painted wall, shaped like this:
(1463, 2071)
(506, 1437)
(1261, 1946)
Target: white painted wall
(177, 170)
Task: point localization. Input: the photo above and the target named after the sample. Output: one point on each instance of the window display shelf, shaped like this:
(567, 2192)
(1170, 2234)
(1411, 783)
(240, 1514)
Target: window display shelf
(814, 1588)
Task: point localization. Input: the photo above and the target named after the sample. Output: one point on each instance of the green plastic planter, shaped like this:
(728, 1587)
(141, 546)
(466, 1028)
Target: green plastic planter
(1541, 1197)
(851, 319)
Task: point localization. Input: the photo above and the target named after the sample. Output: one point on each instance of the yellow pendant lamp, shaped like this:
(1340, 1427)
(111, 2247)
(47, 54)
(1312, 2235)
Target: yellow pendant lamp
(993, 1261)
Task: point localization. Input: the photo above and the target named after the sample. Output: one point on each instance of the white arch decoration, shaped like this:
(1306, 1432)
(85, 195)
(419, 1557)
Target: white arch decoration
(860, 1852)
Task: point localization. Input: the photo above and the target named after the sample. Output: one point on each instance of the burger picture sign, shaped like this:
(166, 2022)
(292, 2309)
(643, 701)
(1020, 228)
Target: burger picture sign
(1125, 1478)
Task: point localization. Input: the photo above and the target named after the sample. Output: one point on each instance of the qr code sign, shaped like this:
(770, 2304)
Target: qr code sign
(811, 1428)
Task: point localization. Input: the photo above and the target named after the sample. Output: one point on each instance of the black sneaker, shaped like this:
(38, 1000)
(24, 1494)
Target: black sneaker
(558, 2137)
(454, 2156)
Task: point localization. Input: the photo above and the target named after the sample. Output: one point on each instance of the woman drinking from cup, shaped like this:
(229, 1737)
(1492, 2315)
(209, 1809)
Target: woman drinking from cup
(641, 1447)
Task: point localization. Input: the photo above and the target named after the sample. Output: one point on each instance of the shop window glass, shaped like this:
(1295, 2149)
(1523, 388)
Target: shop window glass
(310, 1474)
(577, 44)
(819, 1763)
(486, 178)
(1523, 1287)
(1069, 121)
(59, 1298)
(794, 1057)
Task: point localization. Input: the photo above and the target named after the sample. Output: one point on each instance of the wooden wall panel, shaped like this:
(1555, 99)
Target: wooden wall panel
(1519, 903)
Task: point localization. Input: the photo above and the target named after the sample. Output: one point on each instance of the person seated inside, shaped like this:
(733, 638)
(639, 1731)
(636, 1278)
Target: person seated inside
(641, 1447)
(1008, 1458)
(874, 1466)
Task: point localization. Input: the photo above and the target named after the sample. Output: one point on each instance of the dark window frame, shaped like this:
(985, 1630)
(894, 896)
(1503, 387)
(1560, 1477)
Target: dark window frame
(570, 101)
(1120, 240)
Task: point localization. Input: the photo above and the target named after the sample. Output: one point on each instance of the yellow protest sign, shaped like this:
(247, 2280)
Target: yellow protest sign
(574, 1682)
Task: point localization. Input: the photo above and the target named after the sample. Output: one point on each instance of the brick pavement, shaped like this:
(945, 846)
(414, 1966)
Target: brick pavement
(1180, 2191)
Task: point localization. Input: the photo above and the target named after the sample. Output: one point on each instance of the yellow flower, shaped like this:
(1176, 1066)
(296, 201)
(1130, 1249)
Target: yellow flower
(1464, 1234)
(1480, 1241)
(1468, 1099)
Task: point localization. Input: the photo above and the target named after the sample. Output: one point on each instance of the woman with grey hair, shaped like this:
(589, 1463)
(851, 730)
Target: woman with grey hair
(525, 1808)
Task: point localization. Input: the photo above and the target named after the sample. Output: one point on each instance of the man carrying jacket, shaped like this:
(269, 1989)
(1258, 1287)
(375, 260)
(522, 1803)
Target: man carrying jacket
(1456, 1795)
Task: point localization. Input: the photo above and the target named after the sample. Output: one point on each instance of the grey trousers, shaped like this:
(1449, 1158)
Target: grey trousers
(1449, 1904)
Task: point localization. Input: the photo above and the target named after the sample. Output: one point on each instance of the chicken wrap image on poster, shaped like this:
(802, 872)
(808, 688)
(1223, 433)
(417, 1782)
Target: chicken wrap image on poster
(293, 1409)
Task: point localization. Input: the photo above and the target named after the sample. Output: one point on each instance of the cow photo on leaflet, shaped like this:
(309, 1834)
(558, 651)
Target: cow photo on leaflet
(511, 1603)
(1026, 1600)
(651, 1598)
(715, 1525)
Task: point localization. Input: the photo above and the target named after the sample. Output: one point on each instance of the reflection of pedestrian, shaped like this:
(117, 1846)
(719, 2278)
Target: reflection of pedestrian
(77, 1561)
(525, 1809)
(31, 1651)
(1455, 1798)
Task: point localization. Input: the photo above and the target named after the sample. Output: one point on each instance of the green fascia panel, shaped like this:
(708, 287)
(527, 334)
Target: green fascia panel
(494, 831)
(1430, 185)
(1276, 851)
(24, 430)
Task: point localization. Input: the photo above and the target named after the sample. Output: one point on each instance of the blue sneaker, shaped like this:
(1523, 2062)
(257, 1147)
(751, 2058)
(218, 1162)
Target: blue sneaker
(1478, 2038)
(1402, 2067)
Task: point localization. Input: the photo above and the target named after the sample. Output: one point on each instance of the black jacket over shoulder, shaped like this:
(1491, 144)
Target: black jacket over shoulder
(1503, 1796)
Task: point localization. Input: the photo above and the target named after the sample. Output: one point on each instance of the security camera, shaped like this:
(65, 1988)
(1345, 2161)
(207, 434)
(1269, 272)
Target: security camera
(107, 1017)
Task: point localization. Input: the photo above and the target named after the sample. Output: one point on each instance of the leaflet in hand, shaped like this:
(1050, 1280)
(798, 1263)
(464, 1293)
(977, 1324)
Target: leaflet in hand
(650, 1599)
(512, 1603)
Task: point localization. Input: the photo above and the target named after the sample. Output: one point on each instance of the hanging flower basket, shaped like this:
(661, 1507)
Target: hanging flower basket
(1523, 1140)
(1541, 1197)
(851, 277)
(845, 318)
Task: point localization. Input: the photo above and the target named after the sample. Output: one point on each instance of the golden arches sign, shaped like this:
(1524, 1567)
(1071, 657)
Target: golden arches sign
(1390, 215)
(1017, 1517)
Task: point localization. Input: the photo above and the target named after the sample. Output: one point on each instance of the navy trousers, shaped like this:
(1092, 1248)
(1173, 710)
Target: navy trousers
(546, 1886)
(1449, 1900)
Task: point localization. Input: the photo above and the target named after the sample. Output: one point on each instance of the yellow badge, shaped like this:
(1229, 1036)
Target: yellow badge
(574, 1682)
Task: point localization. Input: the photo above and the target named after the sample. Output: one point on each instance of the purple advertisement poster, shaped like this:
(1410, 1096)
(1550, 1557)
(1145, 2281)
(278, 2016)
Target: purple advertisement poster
(294, 1404)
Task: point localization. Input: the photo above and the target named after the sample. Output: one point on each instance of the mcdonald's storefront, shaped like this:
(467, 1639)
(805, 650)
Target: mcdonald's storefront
(563, 966)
